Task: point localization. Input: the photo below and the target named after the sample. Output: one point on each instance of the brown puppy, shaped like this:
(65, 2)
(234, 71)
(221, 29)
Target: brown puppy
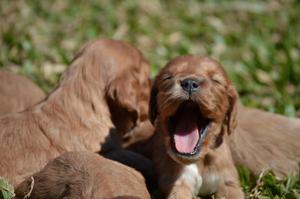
(193, 108)
(266, 141)
(76, 116)
(84, 175)
(17, 93)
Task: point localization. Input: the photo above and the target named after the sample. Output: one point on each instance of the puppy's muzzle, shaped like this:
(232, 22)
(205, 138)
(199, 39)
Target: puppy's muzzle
(190, 85)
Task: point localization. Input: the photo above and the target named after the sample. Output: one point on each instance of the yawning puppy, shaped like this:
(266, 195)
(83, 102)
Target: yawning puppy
(17, 93)
(193, 109)
(105, 87)
(84, 175)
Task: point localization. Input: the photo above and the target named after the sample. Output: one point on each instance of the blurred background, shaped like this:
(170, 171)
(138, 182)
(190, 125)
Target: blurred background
(256, 41)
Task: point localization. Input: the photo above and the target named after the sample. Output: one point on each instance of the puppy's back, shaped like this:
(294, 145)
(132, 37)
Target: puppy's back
(17, 93)
(84, 175)
(265, 141)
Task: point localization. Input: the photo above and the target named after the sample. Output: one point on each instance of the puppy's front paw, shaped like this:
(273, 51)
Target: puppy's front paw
(181, 193)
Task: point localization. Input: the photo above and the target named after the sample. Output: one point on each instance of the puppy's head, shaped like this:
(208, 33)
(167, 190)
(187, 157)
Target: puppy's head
(127, 90)
(118, 70)
(193, 103)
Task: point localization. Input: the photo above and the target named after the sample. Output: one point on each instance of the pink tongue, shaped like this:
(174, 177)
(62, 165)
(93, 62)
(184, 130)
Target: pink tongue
(186, 136)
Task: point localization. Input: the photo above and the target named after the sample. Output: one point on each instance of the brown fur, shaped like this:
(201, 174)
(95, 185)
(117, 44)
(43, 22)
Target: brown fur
(84, 175)
(141, 133)
(76, 116)
(266, 141)
(217, 101)
(17, 93)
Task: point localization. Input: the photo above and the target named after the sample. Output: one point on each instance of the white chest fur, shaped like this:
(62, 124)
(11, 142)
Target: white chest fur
(202, 185)
(191, 176)
(210, 184)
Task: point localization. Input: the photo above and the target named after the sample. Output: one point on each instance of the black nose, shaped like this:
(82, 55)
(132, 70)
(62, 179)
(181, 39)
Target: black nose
(190, 85)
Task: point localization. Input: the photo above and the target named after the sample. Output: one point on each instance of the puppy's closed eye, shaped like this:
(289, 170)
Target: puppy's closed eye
(166, 77)
(217, 79)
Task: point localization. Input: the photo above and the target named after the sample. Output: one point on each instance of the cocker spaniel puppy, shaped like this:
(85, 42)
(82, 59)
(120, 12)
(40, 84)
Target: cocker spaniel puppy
(193, 108)
(106, 87)
(266, 141)
(84, 175)
(17, 93)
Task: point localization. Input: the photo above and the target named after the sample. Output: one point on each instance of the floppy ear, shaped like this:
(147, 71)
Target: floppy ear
(153, 104)
(232, 111)
(122, 102)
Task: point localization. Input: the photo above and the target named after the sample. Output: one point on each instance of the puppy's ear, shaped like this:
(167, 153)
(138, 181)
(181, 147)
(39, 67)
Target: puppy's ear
(232, 111)
(153, 103)
(122, 102)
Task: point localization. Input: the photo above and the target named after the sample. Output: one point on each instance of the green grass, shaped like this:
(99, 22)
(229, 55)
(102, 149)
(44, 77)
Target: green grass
(267, 186)
(6, 190)
(258, 42)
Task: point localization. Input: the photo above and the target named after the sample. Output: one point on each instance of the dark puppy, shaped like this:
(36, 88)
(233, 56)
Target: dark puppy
(81, 113)
(137, 161)
(193, 108)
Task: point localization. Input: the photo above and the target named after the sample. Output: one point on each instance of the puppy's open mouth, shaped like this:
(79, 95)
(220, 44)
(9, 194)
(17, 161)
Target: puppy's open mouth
(188, 128)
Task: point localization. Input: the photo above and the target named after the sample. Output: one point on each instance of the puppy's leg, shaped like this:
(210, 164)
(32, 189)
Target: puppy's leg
(230, 191)
(230, 186)
(186, 185)
(181, 190)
